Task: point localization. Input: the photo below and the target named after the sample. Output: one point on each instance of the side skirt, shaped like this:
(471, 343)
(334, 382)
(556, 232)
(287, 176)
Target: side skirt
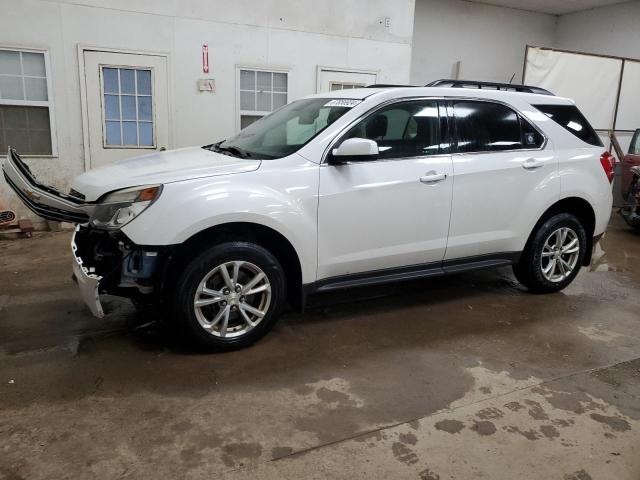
(413, 272)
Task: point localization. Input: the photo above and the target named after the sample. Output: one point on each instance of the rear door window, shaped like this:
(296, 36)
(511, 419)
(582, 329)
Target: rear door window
(573, 121)
(486, 127)
(492, 127)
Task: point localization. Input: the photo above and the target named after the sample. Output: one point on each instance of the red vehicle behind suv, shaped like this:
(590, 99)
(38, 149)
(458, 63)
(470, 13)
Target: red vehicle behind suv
(631, 159)
(630, 186)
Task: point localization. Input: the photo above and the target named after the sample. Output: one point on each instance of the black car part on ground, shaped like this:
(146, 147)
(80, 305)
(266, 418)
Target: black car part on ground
(6, 217)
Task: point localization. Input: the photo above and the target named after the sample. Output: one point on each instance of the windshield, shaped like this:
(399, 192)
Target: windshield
(286, 130)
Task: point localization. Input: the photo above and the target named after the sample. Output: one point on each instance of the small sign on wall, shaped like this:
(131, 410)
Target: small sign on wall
(205, 58)
(207, 85)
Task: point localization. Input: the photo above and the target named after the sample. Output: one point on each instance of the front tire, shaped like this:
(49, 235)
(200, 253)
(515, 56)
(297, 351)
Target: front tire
(554, 256)
(230, 295)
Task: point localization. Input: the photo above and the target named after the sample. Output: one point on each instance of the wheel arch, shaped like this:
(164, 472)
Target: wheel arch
(259, 234)
(577, 206)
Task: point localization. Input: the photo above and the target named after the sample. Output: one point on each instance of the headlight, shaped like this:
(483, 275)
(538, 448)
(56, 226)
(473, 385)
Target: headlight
(120, 207)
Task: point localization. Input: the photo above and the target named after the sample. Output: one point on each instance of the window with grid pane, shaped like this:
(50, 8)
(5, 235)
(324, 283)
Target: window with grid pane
(24, 103)
(344, 86)
(127, 107)
(261, 92)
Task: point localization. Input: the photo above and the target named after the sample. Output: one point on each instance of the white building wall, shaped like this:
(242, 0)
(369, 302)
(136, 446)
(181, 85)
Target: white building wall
(297, 36)
(612, 30)
(489, 41)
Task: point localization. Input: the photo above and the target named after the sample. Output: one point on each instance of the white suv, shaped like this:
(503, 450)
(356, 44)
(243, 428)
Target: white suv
(343, 189)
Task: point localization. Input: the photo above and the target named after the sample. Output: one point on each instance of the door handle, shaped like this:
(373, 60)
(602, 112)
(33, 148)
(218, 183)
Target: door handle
(433, 177)
(532, 164)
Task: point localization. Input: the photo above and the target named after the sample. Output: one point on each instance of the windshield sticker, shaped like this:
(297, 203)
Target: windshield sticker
(343, 102)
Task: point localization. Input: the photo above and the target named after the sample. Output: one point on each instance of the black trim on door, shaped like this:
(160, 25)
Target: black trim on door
(412, 272)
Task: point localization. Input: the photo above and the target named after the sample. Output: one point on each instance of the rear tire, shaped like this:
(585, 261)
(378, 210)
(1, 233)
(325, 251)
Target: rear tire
(229, 296)
(554, 256)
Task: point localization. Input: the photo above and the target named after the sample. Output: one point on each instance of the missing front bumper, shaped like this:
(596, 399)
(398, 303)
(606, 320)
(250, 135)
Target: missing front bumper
(107, 262)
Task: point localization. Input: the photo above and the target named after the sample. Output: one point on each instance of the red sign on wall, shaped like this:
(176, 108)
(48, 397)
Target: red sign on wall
(205, 58)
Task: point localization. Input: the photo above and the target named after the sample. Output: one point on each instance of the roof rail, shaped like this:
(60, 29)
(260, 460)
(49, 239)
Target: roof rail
(387, 85)
(488, 85)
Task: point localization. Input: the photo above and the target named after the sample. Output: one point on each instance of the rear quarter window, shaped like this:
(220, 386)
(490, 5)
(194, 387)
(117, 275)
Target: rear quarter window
(569, 117)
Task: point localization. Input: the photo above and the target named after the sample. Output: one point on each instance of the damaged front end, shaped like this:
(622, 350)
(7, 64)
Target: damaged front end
(107, 262)
(104, 259)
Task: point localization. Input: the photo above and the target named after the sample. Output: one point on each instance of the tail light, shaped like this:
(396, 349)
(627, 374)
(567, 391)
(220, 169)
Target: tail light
(608, 162)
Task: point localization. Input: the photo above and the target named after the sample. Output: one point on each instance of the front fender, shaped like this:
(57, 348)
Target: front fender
(279, 197)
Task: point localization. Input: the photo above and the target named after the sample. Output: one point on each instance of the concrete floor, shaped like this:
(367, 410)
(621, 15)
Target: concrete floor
(454, 378)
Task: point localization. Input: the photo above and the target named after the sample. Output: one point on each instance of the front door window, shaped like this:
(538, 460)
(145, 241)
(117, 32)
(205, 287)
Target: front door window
(402, 130)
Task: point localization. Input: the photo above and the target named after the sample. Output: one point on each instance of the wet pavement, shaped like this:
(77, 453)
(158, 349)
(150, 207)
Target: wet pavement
(459, 377)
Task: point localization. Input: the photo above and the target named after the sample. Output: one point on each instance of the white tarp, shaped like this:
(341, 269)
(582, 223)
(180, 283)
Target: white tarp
(590, 80)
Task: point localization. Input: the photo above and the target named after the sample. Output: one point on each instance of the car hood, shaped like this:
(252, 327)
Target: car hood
(159, 167)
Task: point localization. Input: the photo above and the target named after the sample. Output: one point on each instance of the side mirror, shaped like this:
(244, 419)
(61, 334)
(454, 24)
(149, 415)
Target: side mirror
(354, 150)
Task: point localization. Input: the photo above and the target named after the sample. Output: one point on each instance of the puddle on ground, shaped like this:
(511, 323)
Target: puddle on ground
(618, 251)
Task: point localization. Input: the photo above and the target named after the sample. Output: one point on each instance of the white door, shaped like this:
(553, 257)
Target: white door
(503, 180)
(126, 104)
(330, 80)
(392, 211)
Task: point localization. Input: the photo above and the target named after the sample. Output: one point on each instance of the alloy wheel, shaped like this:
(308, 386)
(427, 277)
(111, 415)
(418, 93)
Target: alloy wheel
(232, 299)
(560, 254)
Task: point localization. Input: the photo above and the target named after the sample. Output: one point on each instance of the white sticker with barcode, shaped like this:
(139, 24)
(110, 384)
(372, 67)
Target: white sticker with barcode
(343, 102)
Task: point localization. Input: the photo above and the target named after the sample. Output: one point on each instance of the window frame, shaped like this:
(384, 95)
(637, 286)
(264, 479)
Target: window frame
(444, 129)
(154, 145)
(352, 85)
(256, 113)
(49, 103)
(521, 117)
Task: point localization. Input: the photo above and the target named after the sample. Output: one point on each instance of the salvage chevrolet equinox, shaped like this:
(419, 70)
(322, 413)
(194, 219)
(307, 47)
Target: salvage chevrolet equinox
(337, 190)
